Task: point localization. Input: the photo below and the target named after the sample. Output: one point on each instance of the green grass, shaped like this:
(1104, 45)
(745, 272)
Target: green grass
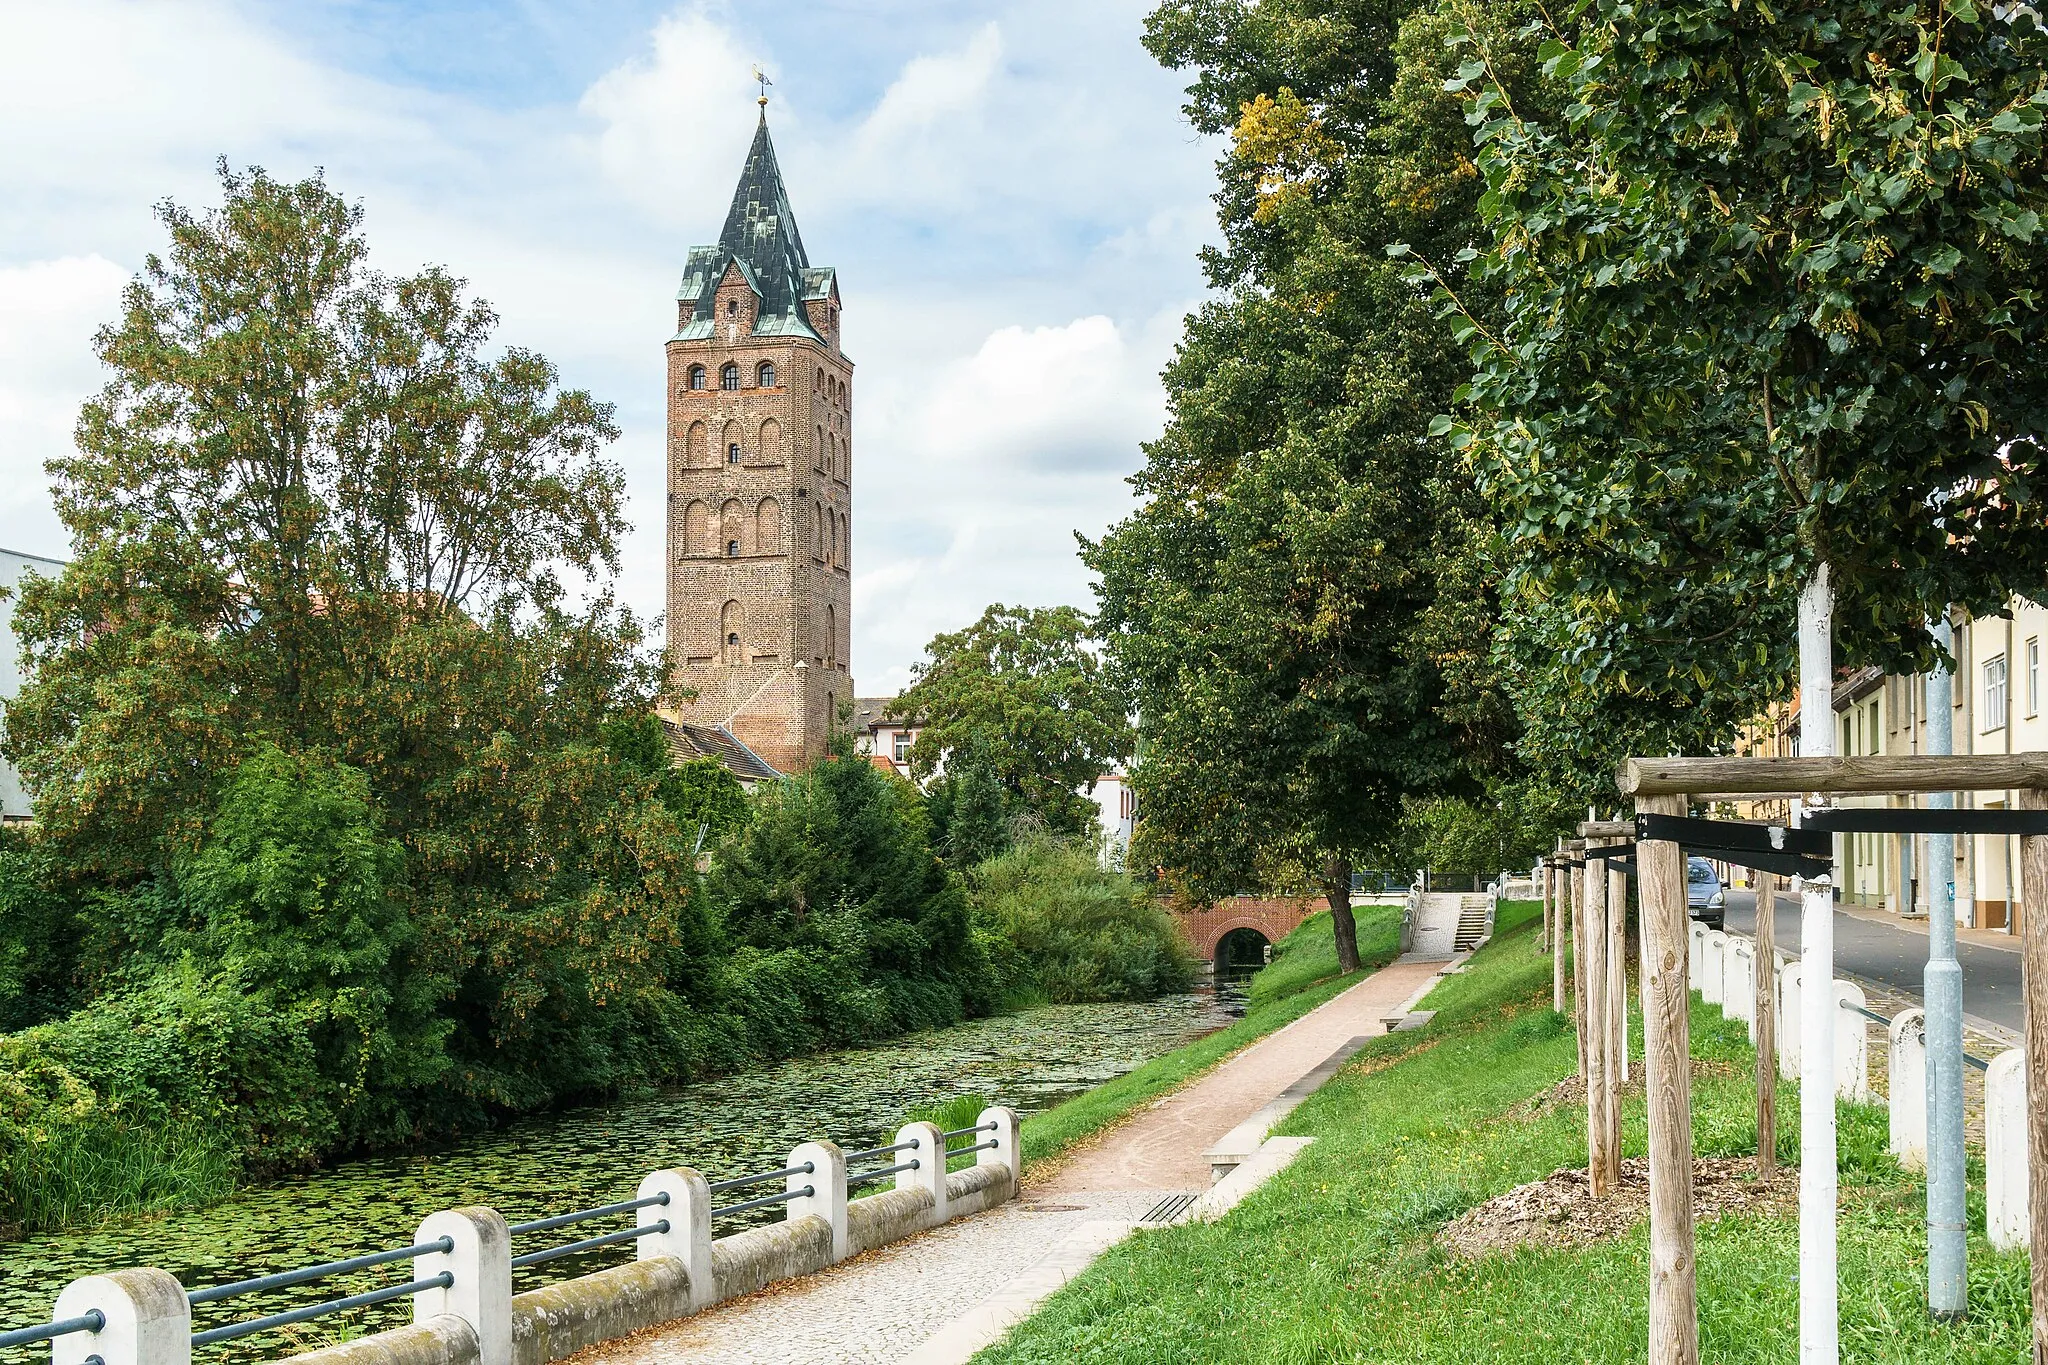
(112, 1167)
(1302, 976)
(1334, 1259)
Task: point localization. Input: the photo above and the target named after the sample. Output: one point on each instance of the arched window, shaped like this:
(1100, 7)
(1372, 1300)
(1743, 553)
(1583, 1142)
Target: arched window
(771, 442)
(697, 529)
(768, 527)
(818, 384)
(818, 451)
(732, 308)
(696, 376)
(766, 377)
(697, 448)
(732, 549)
(832, 541)
(729, 377)
(729, 627)
(831, 635)
(732, 453)
(732, 525)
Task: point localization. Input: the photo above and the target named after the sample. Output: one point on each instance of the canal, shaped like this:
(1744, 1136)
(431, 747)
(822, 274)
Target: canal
(587, 1157)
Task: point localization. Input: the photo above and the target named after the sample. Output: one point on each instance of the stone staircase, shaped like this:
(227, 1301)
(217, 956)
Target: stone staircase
(1475, 921)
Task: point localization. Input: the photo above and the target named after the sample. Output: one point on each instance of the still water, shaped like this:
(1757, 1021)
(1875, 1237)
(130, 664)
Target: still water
(584, 1158)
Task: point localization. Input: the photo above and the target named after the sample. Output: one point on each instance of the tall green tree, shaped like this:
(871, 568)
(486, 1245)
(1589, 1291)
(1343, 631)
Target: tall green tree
(1021, 697)
(320, 527)
(1305, 597)
(1771, 276)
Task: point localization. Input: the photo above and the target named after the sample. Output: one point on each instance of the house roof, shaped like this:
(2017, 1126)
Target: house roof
(688, 741)
(761, 237)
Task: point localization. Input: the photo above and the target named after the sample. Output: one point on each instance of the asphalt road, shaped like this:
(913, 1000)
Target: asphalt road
(1897, 957)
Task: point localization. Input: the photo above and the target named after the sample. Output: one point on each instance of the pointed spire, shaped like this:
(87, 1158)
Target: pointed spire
(760, 229)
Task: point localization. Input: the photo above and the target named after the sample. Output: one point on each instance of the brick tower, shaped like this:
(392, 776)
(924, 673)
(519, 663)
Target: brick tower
(760, 480)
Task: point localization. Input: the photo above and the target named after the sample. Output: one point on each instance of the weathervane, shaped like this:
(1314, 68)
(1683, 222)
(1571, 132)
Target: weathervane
(762, 77)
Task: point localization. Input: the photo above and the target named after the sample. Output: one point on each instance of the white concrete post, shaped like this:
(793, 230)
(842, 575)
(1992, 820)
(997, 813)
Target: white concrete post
(2006, 1221)
(1712, 972)
(147, 1320)
(1789, 1017)
(688, 1238)
(480, 1262)
(1009, 1148)
(1738, 983)
(1695, 960)
(930, 1156)
(1852, 1045)
(826, 1182)
(1906, 1079)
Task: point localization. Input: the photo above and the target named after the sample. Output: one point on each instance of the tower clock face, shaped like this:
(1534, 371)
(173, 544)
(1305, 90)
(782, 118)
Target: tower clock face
(760, 478)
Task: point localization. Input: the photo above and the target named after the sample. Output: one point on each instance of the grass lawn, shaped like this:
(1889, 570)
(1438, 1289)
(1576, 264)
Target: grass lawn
(1334, 1259)
(1302, 975)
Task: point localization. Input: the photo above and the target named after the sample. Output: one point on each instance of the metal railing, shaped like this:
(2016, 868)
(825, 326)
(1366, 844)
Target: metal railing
(563, 1220)
(95, 1320)
(286, 1279)
(91, 1320)
(1969, 1060)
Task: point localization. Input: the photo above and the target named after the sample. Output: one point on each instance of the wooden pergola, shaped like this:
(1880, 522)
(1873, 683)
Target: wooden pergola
(1666, 787)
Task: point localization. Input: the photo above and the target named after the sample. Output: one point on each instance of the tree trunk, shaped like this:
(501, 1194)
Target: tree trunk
(1337, 888)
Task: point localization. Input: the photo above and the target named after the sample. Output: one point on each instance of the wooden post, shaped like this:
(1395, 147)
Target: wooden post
(1559, 916)
(1598, 1060)
(1616, 999)
(1667, 1066)
(1767, 1026)
(2034, 976)
(1575, 888)
(1543, 944)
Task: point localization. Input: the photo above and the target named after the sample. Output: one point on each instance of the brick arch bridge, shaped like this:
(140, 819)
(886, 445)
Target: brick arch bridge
(1274, 917)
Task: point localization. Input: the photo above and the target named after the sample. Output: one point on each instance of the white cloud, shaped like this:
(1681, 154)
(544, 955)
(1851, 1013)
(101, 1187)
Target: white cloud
(946, 86)
(48, 312)
(1046, 398)
(674, 115)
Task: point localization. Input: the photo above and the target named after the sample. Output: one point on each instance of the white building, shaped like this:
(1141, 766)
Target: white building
(14, 566)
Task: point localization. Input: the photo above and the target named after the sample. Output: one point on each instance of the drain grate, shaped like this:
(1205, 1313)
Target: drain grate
(1169, 1208)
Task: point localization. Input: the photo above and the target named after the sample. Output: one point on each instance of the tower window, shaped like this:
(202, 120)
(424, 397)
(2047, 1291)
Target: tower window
(729, 377)
(733, 639)
(767, 375)
(732, 308)
(696, 376)
(732, 549)
(732, 453)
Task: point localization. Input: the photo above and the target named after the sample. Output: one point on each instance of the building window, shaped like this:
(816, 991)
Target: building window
(1994, 692)
(733, 639)
(1876, 740)
(2034, 676)
(767, 376)
(901, 747)
(732, 549)
(696, 376)
(729, 377)
(732, 453)
(732, 308)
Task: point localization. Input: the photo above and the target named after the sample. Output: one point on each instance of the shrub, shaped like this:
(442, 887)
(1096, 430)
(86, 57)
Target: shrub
(1073, 930)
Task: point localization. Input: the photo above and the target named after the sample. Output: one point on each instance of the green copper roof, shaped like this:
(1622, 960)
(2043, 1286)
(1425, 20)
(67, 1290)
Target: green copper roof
(761, 235)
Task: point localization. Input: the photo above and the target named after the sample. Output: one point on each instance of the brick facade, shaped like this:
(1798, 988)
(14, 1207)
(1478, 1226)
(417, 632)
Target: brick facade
(760, 483)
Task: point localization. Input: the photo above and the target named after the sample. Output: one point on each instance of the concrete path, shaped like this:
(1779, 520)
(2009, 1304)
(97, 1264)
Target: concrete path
(1883, 948)
(882, 1306)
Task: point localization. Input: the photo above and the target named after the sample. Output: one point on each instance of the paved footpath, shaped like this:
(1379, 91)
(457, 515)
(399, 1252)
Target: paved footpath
(879, 1306)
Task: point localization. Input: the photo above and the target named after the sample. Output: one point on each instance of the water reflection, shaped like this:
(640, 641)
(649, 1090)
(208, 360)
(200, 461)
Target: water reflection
(587, 1157)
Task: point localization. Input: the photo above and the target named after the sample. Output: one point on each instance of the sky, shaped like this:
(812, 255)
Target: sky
(1009, 192)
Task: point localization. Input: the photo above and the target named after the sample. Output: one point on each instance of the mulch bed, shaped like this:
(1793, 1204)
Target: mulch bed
(1561, 1211)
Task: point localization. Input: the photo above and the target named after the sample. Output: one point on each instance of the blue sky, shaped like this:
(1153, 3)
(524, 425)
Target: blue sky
(1009, 192)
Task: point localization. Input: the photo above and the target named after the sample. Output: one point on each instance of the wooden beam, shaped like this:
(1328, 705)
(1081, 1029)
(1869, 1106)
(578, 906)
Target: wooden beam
(1766, 1027)
(2034, 979)
(1599, 1059)
(1616, 1000)
(1667, 1047)
(1558, 932)
(1896, 774)
(1604, 830)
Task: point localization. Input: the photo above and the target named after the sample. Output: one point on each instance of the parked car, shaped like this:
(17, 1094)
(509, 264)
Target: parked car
(1706, 900)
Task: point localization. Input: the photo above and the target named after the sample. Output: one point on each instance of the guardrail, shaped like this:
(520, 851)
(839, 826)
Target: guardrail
(461, 1262)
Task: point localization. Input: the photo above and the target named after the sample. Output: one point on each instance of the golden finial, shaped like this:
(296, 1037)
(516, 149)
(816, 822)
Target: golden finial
(762, 77)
